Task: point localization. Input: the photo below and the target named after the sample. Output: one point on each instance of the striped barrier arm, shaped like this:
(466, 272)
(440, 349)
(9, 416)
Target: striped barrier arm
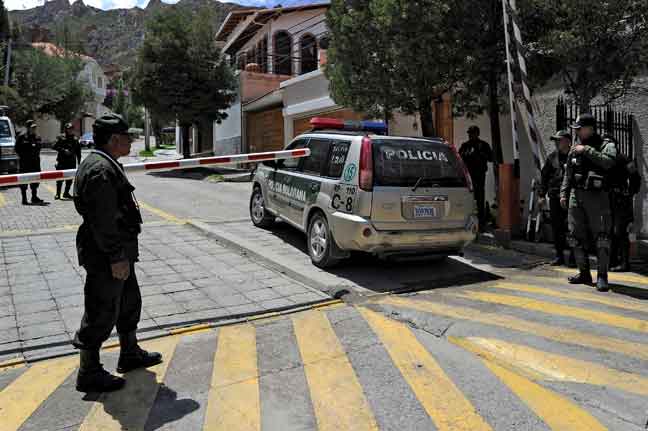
(167, 165)
(509, 69)
(535, 138)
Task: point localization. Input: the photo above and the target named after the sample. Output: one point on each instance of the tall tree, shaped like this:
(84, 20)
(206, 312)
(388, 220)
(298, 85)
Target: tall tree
(181, 72)
(5, 27)
(395, 54)
(49, 85)
(597, 48)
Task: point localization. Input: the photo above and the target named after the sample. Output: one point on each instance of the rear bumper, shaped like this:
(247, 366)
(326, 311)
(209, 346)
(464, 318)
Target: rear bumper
(356, 233)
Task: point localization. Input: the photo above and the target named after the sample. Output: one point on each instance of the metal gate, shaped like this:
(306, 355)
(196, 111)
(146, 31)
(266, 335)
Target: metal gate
(608, 121)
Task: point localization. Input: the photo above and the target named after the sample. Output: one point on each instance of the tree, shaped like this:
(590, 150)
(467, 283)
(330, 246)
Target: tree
(597, 48)
(395, 54)
(17, 107)
(181, 72)
(5, 28)
(49, 85)
(120, 101)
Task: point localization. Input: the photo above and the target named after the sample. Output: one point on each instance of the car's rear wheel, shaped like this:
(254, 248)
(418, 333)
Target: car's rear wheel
(258, 213)
(320, 242)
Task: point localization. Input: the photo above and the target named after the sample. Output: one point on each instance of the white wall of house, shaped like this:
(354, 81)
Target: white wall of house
(227, 134)
(48, 128)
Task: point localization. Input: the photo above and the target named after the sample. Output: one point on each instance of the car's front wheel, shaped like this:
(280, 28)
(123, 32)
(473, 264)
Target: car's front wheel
(258, 213)
(320, 242)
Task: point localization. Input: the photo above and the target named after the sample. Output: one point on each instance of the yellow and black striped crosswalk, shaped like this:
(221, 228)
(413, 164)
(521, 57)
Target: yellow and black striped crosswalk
(528, 354)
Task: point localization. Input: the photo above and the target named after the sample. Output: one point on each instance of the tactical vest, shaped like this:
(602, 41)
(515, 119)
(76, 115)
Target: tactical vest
(587, 175)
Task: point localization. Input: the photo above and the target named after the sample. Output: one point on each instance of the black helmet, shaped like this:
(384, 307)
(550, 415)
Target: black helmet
(109, 124)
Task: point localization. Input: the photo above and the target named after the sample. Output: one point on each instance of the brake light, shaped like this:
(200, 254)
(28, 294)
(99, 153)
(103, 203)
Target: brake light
(464, 169)
(366, 165)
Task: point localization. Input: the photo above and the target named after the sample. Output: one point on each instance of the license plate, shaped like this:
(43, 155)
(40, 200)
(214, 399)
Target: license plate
(425, 212)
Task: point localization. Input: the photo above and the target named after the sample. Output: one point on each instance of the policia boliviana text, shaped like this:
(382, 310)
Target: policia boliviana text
(107, 248)
(585, 191)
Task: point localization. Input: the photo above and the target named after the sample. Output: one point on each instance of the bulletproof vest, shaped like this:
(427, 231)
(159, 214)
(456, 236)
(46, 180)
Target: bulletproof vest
(585, 173)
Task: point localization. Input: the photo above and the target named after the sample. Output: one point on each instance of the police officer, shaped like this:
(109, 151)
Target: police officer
(552, 175)
(585, 191)
(69, 154)
(107, 247)
(28, 148)
(476, 154)
(625, 182)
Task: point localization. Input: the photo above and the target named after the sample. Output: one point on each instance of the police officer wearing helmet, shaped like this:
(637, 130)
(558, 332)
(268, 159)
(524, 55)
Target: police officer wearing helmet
(68, 155)
(108, 248)
(552, 175)
(625, 182)
(28, 148)
(585, 191)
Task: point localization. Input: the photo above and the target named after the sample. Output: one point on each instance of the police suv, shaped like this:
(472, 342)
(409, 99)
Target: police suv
(8, 157)
(360, 190)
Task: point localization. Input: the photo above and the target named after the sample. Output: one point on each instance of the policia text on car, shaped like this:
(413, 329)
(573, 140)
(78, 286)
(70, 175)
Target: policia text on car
(585, 191)
(107, 246)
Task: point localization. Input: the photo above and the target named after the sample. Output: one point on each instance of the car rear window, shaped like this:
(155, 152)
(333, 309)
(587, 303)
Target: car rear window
(5, 130)
(404, 162)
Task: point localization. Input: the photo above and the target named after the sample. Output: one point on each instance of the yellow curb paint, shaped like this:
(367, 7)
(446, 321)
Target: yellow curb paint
(338, 400)
(557, 412)
(554, 333)
(443, 401)
(574, 294)
(23, 396)
(234, 402)
(613, 277)
(13, 363)
(205, 327)
(598, 317)
(3, 201)
(161, 213)
(551, 366)
(128, 408)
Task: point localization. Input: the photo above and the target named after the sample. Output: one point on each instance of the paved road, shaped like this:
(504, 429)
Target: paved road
(493, 340)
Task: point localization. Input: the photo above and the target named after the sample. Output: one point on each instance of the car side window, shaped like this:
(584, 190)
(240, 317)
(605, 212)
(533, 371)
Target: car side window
(293, 164)
(314, 164)
(337, 158)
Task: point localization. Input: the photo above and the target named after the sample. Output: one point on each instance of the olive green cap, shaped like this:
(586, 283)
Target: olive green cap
(110, 124)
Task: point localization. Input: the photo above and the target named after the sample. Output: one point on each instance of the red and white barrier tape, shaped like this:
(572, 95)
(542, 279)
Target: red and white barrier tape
(39, 177)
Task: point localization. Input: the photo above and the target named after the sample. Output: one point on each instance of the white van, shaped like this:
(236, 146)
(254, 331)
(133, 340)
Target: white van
(8, 157)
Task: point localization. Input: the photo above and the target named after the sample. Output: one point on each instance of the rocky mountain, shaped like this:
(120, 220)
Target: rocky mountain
(110, 36)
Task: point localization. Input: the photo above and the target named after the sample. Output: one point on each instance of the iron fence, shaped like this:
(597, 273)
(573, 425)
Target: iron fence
(618, 124)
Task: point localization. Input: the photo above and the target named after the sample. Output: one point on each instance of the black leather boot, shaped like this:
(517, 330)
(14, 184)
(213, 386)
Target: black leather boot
(24, 197)
(92, 377)
(603, 266)
(602, 283)
(584, 275)
(132, 356)
(581, 278)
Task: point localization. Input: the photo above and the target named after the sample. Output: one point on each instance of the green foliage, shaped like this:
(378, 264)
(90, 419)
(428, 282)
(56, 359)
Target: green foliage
(49, 85)
(395, 54)
(120, 101)
(180, 73)
(135, 115)
(596, 48)
(18, 110)
(5, 28)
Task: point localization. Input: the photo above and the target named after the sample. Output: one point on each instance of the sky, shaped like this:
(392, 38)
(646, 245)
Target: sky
(117, 4)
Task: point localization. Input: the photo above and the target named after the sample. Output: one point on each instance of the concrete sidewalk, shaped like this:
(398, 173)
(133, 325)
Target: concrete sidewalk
(185, 277)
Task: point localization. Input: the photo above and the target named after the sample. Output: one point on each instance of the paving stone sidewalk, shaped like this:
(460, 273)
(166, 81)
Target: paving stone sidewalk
(184, 276)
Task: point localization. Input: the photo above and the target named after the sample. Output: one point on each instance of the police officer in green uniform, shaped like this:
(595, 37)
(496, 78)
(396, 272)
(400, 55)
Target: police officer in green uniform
(552, 175)
(625, 182)
(476, 154)
(69, 154)
(585, 191)
(28, 148)
(108, 248)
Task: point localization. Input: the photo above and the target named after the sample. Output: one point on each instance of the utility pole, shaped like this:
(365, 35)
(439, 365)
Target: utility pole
(8, 64)
(147, 131)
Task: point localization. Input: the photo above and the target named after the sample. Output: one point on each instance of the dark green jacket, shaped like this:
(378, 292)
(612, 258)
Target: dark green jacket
(69, 152)
(103, 196)
(28, 148)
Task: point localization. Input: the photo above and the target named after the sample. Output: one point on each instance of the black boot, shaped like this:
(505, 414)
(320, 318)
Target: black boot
(584, 275)
(559, 260)
(571, 263)
(24, 197)
(132, 356)
(624, 264)
(602, 283)
(35, 200)
(92, 377)
(58, 190)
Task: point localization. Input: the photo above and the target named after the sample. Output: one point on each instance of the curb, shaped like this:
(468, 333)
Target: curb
(184, 328)
(332, 290)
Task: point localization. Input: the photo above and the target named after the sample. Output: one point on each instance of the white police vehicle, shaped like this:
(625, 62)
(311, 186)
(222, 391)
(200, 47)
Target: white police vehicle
(360, 190)
(8, 156)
